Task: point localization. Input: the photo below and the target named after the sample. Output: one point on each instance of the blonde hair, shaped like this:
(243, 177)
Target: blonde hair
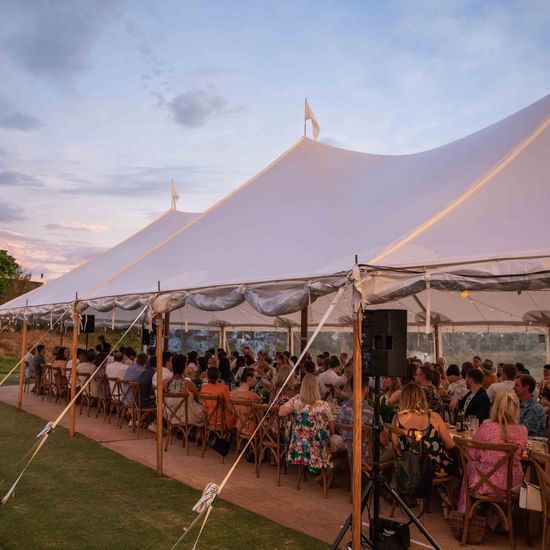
(395, 384)
(282, 375)
(310, 392)
(505, 411)
(413, 399)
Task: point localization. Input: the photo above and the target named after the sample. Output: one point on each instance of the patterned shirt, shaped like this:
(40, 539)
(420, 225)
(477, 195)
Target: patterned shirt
(345, 416)
(434, 399)
(532, 415)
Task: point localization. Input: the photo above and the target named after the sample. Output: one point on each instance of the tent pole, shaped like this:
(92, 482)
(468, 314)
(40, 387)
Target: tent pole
(547, 345)
(357, 433)
(437, 343)
(166, 331)
(303, 329)
(74, 359)
(289, 340)
(22, 365)
(159, 395)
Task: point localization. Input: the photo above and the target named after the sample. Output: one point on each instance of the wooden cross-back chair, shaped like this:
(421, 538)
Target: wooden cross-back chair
(270, 439)
(540, 462)
(86, 399)
(115, 405)
(244, 411)
(137, 411)
(47, 382)
(500, 500)
(176, 413)
(216, 419)
(101, 393)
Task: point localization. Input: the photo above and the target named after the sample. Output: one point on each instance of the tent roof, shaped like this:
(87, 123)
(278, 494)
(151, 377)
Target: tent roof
(308, 213)
(82, 278)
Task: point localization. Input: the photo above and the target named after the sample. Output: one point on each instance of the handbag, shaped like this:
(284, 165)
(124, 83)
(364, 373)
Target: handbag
(415, 470)
(219, 444)
(476, 527)
(530, 497)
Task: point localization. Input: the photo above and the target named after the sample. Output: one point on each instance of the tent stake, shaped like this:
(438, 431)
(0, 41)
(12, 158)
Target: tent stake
(22, 365)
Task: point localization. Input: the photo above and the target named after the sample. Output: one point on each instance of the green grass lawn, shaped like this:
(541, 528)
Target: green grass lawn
(77, 494)
(6, 364)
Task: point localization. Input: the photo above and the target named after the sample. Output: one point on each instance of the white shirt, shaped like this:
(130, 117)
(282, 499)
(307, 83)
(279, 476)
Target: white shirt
(498, 387)
(330, 378)
(116, 370)
(457, 390)
(166, 375)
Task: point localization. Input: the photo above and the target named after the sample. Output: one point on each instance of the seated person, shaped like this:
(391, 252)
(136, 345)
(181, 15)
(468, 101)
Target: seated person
(415, 414)
(531, 412)
(502, 427)
(313, 425)
(345, 416)
(116, 368)
(476, 401)
(457, 388)
(246, 419)
(424, 378)
(215, 388)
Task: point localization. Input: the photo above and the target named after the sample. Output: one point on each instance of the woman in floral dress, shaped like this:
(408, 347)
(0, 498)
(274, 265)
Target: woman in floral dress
(313, 425)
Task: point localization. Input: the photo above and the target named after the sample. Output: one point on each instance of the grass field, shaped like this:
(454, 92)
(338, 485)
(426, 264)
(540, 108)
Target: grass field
(6, 364)
(77, 494)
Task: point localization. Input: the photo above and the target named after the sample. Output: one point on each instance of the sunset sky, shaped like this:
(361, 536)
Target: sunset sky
(102, 103)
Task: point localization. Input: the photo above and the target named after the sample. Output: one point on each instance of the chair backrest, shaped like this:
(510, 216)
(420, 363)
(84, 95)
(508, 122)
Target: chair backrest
(483, 480)
(540, 462)
(114, 385)
(176, 408)
(214, 407)
(245, 415)
(81, 379)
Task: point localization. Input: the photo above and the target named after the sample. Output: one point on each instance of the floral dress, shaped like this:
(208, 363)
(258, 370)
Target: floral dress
(309, 443)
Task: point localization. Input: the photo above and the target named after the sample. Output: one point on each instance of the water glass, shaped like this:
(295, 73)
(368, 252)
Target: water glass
(473, 422)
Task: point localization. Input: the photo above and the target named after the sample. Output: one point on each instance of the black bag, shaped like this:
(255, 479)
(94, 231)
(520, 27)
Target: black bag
(415, 470)
(219, 444)
(393, 535)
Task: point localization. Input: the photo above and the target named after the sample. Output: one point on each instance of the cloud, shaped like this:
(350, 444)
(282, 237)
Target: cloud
(43, 256)
(196, 108)
(53, 40)
(138, 180)
(15, 120)
(76, 226)
(10, 212)
(19, 179)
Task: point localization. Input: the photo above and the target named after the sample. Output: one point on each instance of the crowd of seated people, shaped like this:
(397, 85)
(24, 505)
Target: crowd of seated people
(509, 404)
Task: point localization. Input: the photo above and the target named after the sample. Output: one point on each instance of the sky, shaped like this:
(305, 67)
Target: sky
(104, 102)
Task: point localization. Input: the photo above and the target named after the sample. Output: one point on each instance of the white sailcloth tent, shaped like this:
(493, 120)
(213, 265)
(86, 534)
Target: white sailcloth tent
(288, 237)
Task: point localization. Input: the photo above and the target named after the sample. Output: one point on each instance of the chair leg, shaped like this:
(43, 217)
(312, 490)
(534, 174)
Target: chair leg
(511, 526)
(324, 475)
(466, 525)
(300, 472)
(204, 435)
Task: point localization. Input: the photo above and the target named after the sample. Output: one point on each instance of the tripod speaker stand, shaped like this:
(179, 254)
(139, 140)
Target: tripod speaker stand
(383, 353)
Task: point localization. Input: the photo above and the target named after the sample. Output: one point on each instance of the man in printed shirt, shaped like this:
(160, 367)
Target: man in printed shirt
(531, 412)
(345, 416)
(457, 385)
(424, 377)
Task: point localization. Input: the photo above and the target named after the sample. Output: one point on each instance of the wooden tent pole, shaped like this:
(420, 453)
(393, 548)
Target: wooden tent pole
(437, 343)
(357, 432)
(74, 359)
(160, 399)
(303, 329)
(289, 340)
(22, 365)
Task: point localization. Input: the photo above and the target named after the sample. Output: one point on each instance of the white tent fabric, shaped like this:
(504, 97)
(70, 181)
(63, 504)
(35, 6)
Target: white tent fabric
(63, 290)
(289, 236)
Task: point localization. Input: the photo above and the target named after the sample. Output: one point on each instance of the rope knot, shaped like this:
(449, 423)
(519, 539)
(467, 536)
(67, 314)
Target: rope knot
(208, 496)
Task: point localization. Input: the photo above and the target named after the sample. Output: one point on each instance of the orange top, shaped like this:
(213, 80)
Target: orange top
(223, 391)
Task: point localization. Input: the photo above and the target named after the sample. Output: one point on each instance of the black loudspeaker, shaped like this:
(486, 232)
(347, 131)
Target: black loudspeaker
(384, 342)
(87, 324)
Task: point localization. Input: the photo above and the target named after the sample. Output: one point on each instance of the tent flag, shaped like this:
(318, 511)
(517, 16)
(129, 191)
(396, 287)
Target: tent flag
(309, 115)
(173, 195)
